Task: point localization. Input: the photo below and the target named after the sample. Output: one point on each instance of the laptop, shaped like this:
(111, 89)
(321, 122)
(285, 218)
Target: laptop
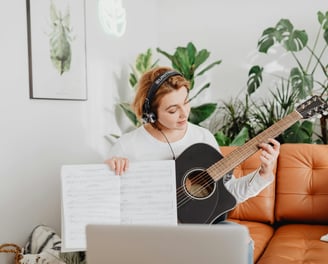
(185, 243)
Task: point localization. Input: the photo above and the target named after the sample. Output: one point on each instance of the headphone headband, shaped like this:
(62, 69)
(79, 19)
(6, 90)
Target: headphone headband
(158, 82)
(147, 115)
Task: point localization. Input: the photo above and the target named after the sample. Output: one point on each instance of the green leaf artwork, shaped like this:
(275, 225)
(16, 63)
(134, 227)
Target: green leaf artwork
(60, 39)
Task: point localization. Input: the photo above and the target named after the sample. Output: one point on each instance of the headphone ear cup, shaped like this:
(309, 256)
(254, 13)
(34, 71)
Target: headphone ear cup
(149, 117)
(152, 117)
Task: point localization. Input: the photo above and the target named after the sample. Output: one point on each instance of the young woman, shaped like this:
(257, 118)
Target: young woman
(162, 103)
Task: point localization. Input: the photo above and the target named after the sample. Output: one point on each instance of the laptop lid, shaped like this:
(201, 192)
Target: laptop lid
(186, 243)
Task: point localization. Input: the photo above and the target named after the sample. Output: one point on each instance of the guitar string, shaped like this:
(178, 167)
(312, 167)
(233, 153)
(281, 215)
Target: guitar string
(202, 181)
(210, 182)
(205, 184)
(200, 178)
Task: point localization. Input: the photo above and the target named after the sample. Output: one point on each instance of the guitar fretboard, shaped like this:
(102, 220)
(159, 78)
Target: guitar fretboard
(237, 156)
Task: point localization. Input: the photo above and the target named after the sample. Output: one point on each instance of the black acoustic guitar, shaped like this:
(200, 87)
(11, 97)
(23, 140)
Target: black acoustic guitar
(200, 170)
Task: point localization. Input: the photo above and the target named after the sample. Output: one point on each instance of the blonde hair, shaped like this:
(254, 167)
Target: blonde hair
(144, 84)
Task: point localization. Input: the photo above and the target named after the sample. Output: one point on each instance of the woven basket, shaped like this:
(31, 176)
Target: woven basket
(12, 249)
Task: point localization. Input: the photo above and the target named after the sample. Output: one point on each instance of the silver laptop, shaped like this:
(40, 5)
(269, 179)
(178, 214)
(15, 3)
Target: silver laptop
(186, 243)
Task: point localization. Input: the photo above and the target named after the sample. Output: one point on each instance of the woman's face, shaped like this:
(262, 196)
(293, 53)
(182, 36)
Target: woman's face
(174, 109)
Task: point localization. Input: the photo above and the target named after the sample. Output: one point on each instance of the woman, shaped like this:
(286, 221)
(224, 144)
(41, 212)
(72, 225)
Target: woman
(162, 103)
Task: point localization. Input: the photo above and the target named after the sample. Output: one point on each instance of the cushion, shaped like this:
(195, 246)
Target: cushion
(259, 208)
(297, 243)
(302, 184)
(260, 233)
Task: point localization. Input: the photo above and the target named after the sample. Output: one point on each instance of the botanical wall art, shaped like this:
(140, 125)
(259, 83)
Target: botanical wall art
(57, 49)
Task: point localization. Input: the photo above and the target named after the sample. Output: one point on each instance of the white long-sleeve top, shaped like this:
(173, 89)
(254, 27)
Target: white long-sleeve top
(139, 145)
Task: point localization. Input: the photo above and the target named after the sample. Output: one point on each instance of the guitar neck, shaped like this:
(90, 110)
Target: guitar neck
(233, 159)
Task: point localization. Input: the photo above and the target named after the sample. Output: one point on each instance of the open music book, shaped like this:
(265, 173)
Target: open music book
(93, 194)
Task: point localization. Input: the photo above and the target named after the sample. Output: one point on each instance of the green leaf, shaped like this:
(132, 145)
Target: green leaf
(130, 114)
(115, 136)
(209, 67)
(143, 63)
(60, 40)
(267, 40)
(325, 36)
(200, 113)
(207, 85)
(133, 79)
(184, 59)
(300, 132)
(167, 55)
(191, 53)
(222, 139)
(200, 58)
(301, 82)
(187, 60)
(241, 138)
(323, 19)
(283, 33)
(297, 40)
(254, 79)
(292, 40)
(283, 26)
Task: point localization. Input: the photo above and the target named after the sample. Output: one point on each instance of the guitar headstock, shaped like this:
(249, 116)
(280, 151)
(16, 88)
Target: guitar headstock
(313, 106)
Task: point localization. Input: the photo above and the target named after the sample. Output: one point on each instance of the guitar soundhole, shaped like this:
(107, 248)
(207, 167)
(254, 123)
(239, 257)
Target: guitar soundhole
(199, 184)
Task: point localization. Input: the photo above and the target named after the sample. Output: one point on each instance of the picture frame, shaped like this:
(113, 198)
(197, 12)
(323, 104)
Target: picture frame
(56, 38)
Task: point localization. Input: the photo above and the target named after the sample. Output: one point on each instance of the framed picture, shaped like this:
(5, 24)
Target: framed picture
(57, 49)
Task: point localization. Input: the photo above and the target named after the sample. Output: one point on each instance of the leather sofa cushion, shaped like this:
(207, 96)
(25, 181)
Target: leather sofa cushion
(297, 243)
(260, 233)
(302, 184)
(259, 208)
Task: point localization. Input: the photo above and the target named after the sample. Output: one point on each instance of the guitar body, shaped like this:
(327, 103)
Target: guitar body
(193, 162)
(210, 202)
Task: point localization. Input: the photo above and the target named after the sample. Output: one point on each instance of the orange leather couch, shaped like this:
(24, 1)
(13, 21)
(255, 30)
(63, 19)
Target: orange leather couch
(287, 219)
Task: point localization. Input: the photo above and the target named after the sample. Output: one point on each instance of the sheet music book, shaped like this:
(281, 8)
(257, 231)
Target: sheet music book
(93, 194)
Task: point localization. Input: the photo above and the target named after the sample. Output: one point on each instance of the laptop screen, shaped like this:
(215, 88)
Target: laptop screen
(185, 243)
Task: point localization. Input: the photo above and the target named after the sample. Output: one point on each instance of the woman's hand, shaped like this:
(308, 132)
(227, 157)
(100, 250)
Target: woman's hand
(269, 155)
(118, 164)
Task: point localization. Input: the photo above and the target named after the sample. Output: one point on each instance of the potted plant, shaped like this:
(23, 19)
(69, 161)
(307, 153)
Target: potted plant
(187, 60)
(306, 77)
(245, 118)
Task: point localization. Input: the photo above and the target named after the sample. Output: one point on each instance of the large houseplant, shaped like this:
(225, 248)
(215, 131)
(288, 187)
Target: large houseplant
(187, 60)
(244, 118)
(310, 75)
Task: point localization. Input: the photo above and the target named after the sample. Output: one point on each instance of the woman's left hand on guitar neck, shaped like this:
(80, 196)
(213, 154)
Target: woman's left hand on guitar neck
(269, 155)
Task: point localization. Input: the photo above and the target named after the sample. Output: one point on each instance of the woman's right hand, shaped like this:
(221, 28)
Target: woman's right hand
(118, 164)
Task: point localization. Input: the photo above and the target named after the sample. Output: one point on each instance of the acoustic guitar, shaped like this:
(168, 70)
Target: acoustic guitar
(200, 170)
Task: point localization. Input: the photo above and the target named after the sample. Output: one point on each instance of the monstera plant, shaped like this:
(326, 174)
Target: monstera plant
(243, 118)
(306, 77)
(188, 61)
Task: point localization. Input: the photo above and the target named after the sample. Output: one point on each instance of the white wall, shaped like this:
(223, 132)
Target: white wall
(230, 31)
(38, 136)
